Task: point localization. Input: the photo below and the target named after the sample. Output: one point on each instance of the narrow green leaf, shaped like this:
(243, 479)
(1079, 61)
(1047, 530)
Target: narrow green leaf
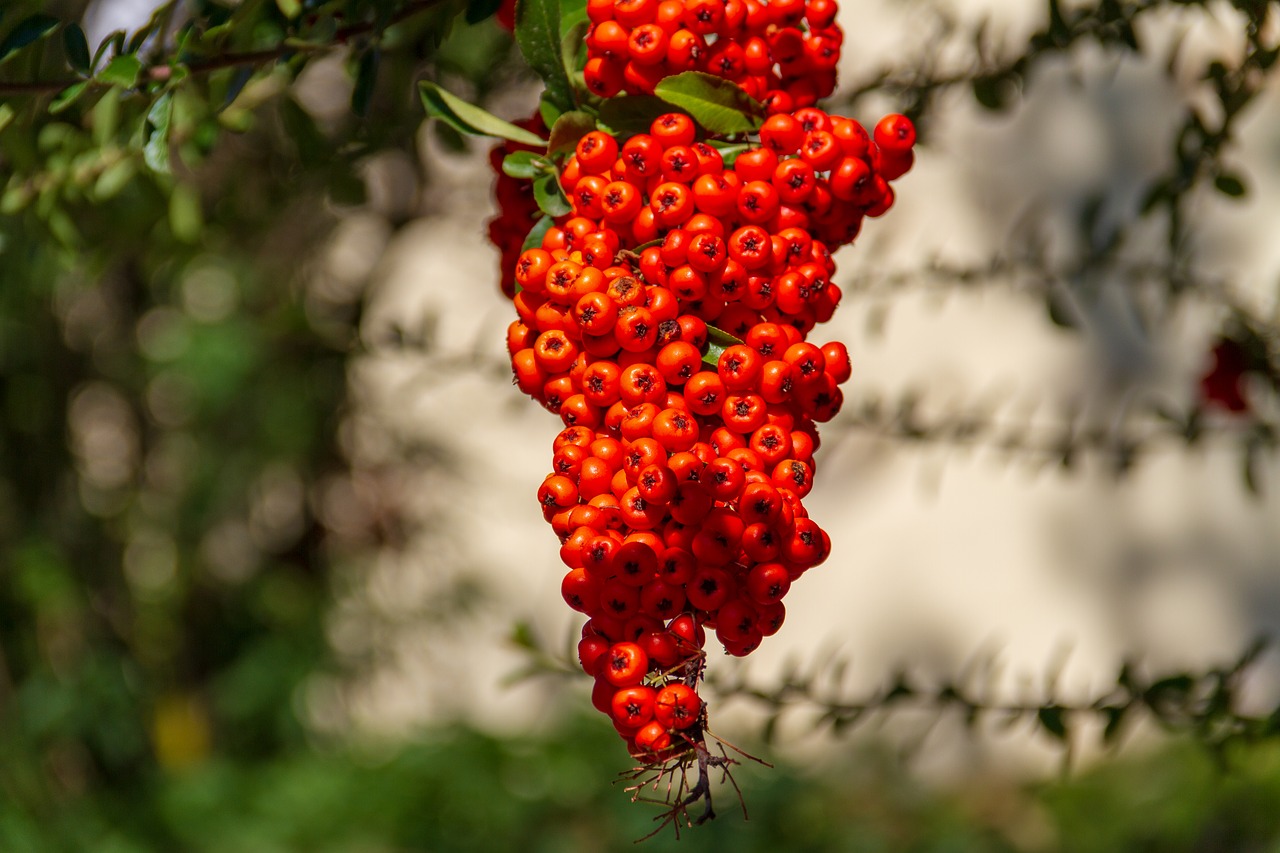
(524, 165)
(122, 70)
(77, 48)
(719, 105)
(538, 35)
(467, 118)
(1230, 185)
(567, 130)
(551, 201)
(7, 115)
(366, 80)
(68, 96)
(718, 340)
(115, 42)
(289, 8)
(156, 151)
(539, 230)
(239, 79)
(27, 31)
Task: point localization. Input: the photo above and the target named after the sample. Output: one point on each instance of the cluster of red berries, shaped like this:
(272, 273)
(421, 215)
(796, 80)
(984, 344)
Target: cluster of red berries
(781, 52)
(677, 485)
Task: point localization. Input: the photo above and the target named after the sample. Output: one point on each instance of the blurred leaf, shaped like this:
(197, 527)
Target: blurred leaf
(185, 216)
(538, 35)
(550, 199)
(719, 105)
(67, 97)
(992, 92)
(524, 165)
(1053, 719)
(467, 118)
(1229, 185)
(567, 130)
(113, 179)
(156, 151)
(122, 71)
(366, 81)
(239, 79)
(113, 42)
(77, 48)
(479, 10)
(27, 31)
(289, 8)
(1115, 719)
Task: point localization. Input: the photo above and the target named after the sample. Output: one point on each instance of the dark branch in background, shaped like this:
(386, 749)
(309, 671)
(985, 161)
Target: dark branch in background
(161, 69)
(1206, 704)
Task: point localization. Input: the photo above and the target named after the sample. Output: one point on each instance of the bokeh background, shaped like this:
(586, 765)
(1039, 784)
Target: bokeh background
(272, 573)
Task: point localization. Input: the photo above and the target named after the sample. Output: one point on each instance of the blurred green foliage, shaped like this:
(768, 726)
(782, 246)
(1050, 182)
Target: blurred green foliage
(459, 790)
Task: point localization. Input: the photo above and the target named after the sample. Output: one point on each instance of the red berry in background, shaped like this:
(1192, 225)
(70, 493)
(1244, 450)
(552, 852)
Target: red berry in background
(1223, 385)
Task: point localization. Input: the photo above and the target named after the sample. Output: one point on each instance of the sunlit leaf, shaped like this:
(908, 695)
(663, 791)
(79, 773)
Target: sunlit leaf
(719, 105)
(467, 118)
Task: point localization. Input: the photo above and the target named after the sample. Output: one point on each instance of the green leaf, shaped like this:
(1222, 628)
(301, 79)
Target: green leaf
(366, 79)
(115, 42)
(468, 118)
(729, 153)
(573, 13)
(1230, 185)
(7, 115)
(114, 179)
(539, 230)
(289, 8)
(478, 10)
(718, 340)
(719, 105)
(68, 96)
(538, 35)
(27, 31)
(549, 112)
(525, 165)
(156, 151)
(630, 115)
(186, 219)
(551, 201)
(567, 130)
(77, 48)
(122, 70)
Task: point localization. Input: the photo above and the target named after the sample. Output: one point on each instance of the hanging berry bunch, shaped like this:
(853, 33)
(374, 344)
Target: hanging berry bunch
(664, 299)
